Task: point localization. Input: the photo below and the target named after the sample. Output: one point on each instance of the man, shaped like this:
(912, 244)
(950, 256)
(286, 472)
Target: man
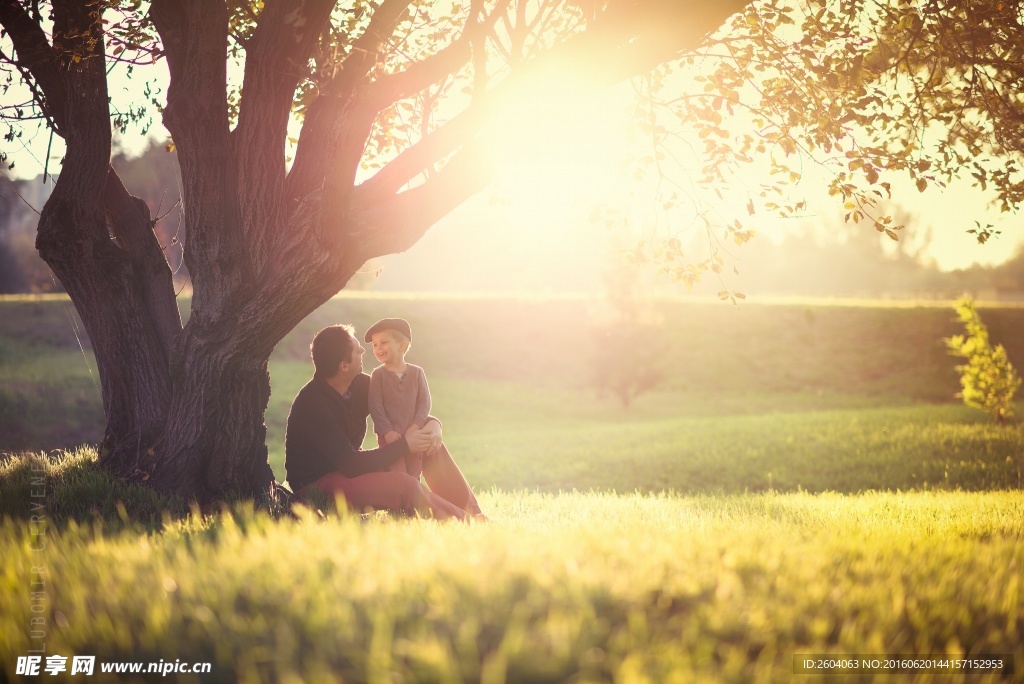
(326, 427)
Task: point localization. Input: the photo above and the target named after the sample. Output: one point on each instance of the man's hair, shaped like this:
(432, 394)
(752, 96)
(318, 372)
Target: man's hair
(330, 347)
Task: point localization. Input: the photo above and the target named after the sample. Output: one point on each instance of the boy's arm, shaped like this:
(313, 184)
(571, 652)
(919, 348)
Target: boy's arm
(375, 399)
(422, 401)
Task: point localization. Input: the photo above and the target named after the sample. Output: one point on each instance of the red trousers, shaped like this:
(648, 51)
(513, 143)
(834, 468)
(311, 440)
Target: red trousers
(446, 495)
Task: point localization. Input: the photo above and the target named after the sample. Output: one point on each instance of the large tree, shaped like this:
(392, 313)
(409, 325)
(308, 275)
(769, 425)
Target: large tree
(268, 243)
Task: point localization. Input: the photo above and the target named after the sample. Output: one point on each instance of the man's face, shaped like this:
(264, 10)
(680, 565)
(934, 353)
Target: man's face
(354, 365)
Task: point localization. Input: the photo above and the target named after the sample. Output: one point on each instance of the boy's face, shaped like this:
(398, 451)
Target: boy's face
(387, 348)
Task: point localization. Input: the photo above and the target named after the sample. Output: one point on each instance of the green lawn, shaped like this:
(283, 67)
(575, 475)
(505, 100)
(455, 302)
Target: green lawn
(508, 435)
(801, 482)
(582, 586)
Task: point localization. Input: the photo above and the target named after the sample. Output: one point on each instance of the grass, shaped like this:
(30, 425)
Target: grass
(67, 486)
(582, 586)
(49, 396)
(506, 436)
(801, 482)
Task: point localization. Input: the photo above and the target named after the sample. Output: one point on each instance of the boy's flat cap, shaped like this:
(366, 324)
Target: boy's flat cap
(399, 324)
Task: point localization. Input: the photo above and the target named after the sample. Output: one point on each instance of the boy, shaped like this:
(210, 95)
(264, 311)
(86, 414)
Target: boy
(399, 397)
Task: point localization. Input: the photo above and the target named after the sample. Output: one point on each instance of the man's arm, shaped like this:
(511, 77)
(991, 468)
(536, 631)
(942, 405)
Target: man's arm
(318, 434)
(359, 462)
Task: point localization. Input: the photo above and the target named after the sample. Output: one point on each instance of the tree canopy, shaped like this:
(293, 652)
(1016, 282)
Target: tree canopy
(855, 93)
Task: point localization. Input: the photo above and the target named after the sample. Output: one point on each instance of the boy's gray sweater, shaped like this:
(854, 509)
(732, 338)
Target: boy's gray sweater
(396, 404)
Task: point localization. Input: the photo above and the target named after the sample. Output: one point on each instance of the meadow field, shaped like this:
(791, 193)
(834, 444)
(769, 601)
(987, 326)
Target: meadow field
(801, 481)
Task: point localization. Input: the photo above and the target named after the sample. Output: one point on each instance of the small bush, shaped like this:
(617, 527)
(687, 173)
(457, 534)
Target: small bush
(988, 379)
(69, 485)
(629, 353)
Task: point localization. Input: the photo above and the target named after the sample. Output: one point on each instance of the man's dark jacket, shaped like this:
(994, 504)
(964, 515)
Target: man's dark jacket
(325, 430)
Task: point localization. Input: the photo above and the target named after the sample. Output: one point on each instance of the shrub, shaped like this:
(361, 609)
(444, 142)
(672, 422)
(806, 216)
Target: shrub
(629, 352)
(69, 485)
(988, 379)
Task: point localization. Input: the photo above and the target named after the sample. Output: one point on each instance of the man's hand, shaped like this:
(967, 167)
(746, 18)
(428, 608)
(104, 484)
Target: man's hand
(392, 437)
(433, 428)
(424, 439)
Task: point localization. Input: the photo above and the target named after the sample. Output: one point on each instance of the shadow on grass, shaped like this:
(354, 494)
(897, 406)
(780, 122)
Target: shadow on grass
(69, 486)
(63, 487)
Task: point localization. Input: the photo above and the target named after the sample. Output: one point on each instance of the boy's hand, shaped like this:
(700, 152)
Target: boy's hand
(392, 437)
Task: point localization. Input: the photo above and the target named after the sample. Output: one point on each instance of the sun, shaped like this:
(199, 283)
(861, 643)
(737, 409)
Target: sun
(557, 152)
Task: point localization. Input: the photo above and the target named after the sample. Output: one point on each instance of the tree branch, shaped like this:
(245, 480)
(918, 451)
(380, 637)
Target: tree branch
(366, 49)
(276, 60)
(413, 160)
(391, 88)
(613, 50)
(417, 76)
(340, 108)
(81, 106)
(34, 54)
(131, 224)
(195, 36)
(374, 218)
(358, 102)
(393, 224)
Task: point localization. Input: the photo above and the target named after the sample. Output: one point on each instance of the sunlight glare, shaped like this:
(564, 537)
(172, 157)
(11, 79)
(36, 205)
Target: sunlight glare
(557, 152)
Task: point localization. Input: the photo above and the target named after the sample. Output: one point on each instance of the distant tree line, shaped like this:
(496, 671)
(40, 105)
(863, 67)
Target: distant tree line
(846, 260)
(152, 176)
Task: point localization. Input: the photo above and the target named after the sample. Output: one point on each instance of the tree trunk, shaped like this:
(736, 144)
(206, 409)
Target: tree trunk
(130, 359)
(215, 438)
(99, 240)
(214, 441)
